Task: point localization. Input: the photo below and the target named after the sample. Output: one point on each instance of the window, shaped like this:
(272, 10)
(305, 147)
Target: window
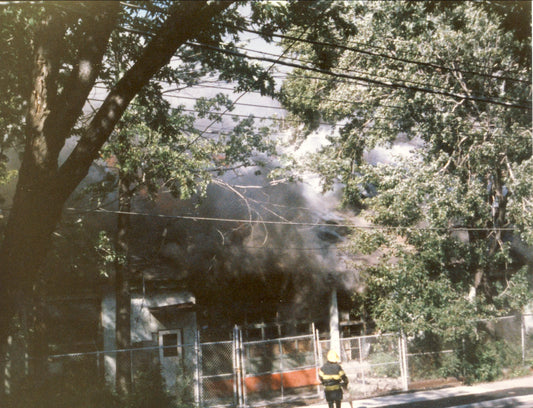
(171, 343)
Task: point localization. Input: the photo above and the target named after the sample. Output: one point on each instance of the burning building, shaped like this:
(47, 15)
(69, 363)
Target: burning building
(265, 259)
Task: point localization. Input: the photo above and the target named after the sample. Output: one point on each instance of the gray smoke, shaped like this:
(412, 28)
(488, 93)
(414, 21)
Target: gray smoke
(254, 252)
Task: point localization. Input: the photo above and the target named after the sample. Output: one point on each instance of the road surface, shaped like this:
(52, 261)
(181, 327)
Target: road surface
(501, 394)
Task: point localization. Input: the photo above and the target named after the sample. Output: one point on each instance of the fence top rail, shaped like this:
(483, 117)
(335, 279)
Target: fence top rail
(98, 352)
(365, 337)
(280, 339)
(212, 343)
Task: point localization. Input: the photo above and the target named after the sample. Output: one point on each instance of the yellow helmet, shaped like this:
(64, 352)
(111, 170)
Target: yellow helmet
(333, 357)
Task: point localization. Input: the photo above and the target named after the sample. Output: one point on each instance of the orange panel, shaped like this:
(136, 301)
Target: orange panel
(293, 379)
(269, 382)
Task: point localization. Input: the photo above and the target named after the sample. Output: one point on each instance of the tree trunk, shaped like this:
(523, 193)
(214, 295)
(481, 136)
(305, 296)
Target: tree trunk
(38, 336)
(498, 203)
(43, 187)
(35, 212)
(122, 289)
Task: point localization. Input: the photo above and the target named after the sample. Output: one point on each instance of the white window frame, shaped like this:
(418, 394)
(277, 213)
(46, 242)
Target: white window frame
(179, 344)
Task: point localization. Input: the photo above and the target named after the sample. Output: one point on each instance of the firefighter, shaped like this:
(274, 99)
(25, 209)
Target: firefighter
(333, 378)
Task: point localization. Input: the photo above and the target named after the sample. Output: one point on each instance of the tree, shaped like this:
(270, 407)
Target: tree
(70, 53)
(150, 155)
(55, 105)
(453, 78)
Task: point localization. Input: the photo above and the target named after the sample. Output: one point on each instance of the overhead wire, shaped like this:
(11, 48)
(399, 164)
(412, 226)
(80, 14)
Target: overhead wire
(167, 93)
(399, 59)
(300, 60)
(196, 218)
(466, 69)
(240, 96)
(291, 120)
(294, 39)
(369, 81)
(290, 223)
(366, 81)
(381, 55)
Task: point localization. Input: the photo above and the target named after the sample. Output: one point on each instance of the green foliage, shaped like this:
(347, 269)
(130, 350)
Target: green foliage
(171, 153)
(443, 259)
(386, 365)
(150, 391)
(479, 359)
(76, 386)
(404, 297)
(153, 148)
(517, 293)
(79, 385)
(108, 256)
(521, 210)
(383, 358)
(72, 259)
(15, 70)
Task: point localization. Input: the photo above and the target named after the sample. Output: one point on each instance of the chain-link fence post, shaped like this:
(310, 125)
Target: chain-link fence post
(243, 369)
(132, 373)
(200, 374)
(235, 368)
(238, 386)
(523, 337)
(197, 374)
(318, 354)
(281, 369)
(361, 366)
(404, 368)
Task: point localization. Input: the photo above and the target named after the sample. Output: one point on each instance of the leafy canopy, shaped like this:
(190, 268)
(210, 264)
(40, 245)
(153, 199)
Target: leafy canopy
(452, 80)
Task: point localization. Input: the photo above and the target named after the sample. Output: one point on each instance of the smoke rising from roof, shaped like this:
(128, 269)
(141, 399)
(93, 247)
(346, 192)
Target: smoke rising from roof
(269, 268)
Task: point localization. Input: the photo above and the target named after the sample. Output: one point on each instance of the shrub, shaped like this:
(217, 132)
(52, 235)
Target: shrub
(77, 386)
(386, 365)
(80, 386)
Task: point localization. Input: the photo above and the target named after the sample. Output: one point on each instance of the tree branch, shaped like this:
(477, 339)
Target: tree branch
(183, 24)
(96, 30)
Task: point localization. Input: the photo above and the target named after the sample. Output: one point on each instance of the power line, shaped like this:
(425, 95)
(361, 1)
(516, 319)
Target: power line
(400, 59)
(235, 115)
(296, 121)
(368, 74)
(465, 69)
(227, 88)
(341, 69)
(253, 105)
(274, 62)
(366, 81)
(289, 223)
(232, 89)
(381, 55)
(167, 93)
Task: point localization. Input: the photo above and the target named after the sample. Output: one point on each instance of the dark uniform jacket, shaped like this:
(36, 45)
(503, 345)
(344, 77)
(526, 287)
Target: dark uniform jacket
(332, 377)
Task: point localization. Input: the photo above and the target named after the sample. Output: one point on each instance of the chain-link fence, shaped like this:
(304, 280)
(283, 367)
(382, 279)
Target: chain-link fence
(373, 364)
(391, 362)
(165, 372)
(280, 370)
(217, 380)
(267, 372)
(493, 347)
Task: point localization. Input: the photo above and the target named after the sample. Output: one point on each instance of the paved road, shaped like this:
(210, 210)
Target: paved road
(502, 394)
